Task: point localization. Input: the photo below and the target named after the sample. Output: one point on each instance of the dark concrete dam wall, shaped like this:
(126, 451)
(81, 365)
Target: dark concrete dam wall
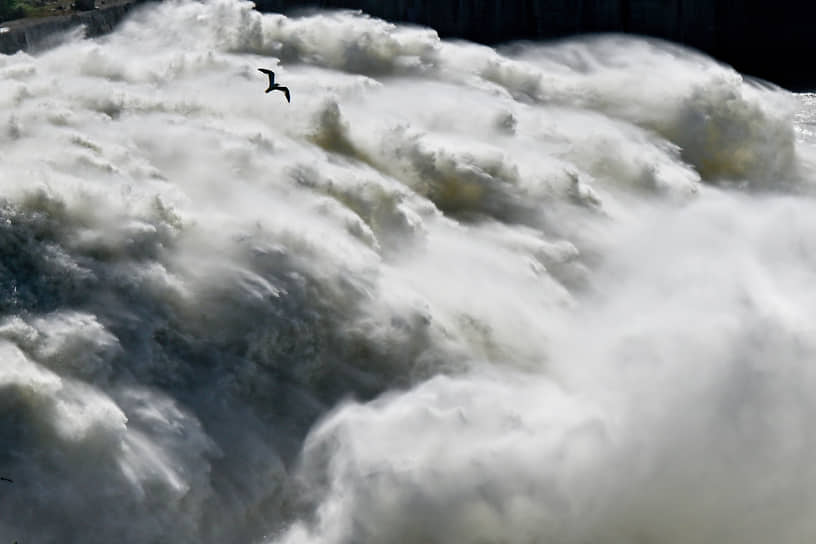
(28, 34)
(772, 40)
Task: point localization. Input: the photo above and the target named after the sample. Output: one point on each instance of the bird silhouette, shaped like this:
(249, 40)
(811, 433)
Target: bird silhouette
(9, 480)
(274, 86)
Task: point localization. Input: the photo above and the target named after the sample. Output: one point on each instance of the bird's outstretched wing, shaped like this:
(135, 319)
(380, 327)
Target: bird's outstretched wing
(286, 93)
(270, 73)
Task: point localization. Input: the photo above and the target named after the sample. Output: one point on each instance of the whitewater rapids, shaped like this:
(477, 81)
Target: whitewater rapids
(550, 293)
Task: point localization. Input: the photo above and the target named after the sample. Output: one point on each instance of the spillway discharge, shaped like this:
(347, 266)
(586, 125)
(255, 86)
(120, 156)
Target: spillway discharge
(553, 292)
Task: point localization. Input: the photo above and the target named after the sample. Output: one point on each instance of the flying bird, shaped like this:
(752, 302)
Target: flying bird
(9, 480)
(274, 86)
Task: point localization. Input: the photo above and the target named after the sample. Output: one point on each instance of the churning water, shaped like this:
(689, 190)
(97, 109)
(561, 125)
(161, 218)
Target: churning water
(553, 293)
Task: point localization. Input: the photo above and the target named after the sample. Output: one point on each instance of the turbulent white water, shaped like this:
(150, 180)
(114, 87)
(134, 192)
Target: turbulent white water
(551, 294)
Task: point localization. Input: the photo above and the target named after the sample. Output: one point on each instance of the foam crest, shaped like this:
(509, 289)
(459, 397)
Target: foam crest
(726, 127)
(352, 42)
(465, 490)
(73, 412)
